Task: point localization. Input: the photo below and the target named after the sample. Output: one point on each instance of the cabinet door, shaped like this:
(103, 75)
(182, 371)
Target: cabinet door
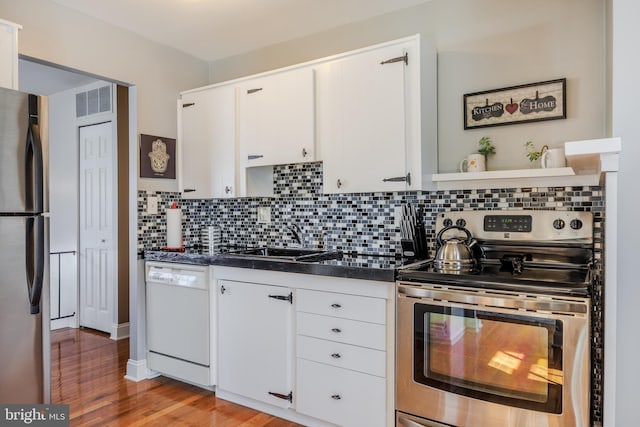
(255, 341)
(361, 114)
(207, 137)
(277, 119)
(9, 54)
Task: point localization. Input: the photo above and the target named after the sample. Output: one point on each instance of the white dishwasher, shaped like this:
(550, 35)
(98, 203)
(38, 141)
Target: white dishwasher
(179, 321)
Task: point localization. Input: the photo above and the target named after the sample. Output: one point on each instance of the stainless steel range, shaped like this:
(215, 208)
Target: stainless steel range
(495, 331)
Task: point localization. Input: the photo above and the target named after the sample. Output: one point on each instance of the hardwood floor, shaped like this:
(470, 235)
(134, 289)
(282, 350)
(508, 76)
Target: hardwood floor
(87, 373)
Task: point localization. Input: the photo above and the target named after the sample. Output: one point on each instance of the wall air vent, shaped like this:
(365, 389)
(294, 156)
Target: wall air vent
(93, 101)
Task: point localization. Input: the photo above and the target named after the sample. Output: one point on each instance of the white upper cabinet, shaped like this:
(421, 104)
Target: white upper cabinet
(276, 119)
(369, 119)
(206, 122)
(369, 115)
(9, 54)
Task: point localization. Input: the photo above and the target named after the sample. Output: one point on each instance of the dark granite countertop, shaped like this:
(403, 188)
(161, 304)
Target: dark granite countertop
(352, 265)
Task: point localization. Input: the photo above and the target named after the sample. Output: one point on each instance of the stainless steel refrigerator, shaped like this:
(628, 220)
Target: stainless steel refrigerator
(25, 351)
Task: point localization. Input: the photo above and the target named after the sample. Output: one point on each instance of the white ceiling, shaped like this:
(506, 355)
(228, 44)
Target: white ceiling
(215, 29)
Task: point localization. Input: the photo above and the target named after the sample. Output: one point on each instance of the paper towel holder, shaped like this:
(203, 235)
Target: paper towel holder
(175, 238)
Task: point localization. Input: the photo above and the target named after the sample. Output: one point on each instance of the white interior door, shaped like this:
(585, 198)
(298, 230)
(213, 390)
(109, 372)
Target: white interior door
(97, 228)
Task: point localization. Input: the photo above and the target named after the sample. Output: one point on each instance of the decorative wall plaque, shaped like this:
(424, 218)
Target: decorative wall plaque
(157, 157)
(516, 104)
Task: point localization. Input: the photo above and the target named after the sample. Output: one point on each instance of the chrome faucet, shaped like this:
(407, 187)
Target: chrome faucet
(325, 240)
(297, 233)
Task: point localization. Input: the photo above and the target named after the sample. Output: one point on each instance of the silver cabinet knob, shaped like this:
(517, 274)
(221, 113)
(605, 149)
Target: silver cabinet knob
(336, 355)
(336, 397)
(305, 153)
(339, 183)
(227, 190)
(336, 330)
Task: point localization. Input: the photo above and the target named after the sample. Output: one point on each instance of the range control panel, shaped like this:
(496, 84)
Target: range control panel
(520, 225)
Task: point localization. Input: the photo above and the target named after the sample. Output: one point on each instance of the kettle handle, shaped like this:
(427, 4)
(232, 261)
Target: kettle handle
(457, 227)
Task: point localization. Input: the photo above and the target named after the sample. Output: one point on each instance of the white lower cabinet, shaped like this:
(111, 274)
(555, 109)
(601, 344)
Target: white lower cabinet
(341, 363)
(331, 346)
(347, 331)
(340, 396)
(342, 355)
(255, 341)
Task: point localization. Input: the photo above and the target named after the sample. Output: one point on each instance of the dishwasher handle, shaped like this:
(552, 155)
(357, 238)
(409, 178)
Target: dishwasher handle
(178, 277)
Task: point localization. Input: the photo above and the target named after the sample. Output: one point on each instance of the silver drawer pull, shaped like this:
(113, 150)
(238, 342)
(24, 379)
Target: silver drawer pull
(336, 355)
(336, 397)
(336, 330)
(336, 305)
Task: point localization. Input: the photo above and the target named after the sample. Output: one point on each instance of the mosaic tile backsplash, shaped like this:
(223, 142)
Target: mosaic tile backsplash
(364, 222)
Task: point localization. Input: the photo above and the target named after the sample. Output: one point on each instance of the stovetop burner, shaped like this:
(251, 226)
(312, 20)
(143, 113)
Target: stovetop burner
(572, 280)
(531, 251)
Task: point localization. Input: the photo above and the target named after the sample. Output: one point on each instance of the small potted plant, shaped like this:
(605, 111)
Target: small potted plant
(486, 147)
(533, 154)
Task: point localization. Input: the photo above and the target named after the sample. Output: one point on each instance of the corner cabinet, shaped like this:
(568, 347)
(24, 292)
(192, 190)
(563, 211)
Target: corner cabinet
(276, 119)
(376, 118)
(255, 324)
(206, 133)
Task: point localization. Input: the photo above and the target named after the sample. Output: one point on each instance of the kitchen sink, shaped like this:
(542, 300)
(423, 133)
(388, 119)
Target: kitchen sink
(288, 254)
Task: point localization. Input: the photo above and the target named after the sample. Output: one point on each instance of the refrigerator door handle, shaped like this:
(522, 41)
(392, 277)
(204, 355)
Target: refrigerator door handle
(34, 247)
(34, 172)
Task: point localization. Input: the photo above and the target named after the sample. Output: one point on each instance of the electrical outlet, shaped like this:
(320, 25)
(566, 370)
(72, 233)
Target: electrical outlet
(264, 214)
(152, 205)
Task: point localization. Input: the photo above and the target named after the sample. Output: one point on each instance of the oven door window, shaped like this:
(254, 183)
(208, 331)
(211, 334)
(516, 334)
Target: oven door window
(514, 360)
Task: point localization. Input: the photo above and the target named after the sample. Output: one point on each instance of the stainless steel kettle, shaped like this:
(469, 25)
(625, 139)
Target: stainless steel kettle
(454, 255)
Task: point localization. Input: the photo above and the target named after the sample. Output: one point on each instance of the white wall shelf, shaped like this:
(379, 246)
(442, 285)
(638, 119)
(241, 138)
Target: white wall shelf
(550, 177)
(587, 160)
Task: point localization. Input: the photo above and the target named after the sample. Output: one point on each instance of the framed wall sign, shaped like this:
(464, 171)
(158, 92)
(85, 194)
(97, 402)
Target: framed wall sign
(157, 157)
(516, 104)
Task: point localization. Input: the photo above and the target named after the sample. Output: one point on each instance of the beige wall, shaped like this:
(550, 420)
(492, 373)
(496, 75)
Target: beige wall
(481, 45)
(62, 36)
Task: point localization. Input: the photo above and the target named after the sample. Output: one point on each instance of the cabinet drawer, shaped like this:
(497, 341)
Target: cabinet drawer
(342, 330)
(340, 396)
(353, 307)
(347, 356)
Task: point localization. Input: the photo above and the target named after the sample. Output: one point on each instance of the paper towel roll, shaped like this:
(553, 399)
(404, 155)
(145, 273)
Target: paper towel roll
(174, 228)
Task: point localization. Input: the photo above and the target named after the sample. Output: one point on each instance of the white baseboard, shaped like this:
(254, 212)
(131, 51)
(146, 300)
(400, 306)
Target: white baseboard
(67, 322)
(120, 331)
(137, 370)
(286, 413)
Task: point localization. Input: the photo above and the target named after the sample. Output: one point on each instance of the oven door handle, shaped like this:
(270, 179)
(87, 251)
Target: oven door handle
(409, 421)
(556, 305)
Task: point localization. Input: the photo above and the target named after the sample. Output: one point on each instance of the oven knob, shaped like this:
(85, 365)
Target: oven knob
(558, 224)
(447, 222)
(461, 222)
(575, 224)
